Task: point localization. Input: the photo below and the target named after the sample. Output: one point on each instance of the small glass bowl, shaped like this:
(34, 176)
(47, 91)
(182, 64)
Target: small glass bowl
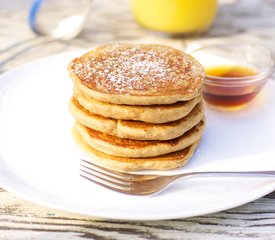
(235, 73)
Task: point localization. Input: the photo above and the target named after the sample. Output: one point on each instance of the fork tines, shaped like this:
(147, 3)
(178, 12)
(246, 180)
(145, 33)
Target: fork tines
(104, 177)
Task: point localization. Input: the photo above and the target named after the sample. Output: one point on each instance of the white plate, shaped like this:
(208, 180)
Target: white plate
(39, 161)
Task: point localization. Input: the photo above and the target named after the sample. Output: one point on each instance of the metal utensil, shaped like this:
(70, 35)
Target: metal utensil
(144, 184)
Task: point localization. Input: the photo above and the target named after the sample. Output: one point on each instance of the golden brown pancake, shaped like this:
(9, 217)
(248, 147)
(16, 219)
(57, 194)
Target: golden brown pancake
(135, 129)
(137, 106)
(134, 148)
(163, 162)
(150, 114)
(137, 74)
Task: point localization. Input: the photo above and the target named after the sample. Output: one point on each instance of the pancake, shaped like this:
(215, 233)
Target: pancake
(134, 148)
(135, 129)
(164, 131)
(95, 121)
(137, 74)
(164, 162)
(150, 114)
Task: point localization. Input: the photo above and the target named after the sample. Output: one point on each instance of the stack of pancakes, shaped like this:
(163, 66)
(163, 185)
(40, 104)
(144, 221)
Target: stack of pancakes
(137, 106)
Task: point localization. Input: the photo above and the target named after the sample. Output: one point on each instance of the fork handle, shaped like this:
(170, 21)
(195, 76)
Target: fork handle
(224, 173)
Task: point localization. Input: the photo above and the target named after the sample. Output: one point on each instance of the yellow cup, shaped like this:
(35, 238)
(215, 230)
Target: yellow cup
(175, 16)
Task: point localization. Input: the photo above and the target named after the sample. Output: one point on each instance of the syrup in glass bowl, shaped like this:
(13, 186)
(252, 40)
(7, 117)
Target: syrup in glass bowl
(235, 73)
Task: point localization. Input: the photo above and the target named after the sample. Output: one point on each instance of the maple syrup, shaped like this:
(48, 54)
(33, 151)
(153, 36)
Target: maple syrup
(231, 86)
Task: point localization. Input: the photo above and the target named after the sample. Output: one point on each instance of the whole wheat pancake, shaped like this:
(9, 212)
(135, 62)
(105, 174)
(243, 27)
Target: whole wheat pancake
(134, 148)
(137, 74)
(164, 162)
(136, 129)
(165, 131)
(150, 114)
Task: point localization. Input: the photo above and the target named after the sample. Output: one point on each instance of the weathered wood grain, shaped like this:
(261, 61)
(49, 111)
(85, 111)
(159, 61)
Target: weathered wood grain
(112, 21)
(20, 218)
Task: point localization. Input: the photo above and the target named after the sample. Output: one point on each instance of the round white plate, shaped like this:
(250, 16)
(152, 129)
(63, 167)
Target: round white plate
(40, 162)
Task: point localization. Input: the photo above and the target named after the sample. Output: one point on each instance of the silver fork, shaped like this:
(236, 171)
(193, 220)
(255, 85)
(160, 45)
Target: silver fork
(144, 184)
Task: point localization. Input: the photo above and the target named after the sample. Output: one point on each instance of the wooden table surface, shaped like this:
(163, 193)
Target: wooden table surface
(112, 21)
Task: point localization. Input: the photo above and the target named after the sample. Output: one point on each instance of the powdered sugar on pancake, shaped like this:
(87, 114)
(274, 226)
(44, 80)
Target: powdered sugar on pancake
(138, 69)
